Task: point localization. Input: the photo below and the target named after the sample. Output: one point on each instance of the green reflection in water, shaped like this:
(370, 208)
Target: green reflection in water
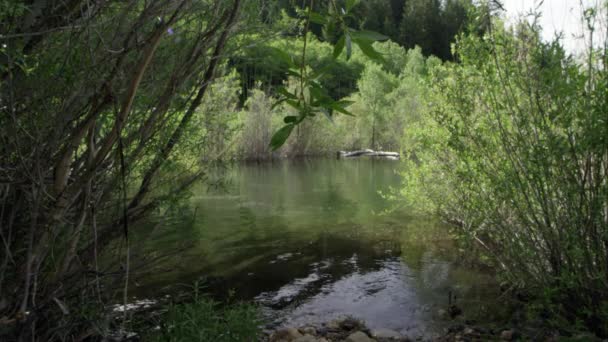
(295, 233)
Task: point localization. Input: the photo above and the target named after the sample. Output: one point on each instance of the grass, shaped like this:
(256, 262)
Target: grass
(204, 319)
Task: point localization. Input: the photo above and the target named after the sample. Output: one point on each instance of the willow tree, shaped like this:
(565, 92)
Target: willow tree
(95, 95)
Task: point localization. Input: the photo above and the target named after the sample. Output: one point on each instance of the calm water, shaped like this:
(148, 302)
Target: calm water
(311, 240)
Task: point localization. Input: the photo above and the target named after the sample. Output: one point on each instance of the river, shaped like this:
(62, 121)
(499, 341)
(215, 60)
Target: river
(313, 240)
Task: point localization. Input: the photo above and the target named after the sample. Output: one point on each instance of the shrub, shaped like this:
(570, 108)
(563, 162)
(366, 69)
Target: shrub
(518, 140)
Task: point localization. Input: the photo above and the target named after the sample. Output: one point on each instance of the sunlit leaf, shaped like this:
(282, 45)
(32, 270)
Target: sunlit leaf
(294, 72)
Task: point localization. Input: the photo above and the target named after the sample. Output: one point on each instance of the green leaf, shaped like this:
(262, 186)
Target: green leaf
(317, 18)
(283, 56)
(277, 103)
(368, 50)
(328, 115)
(290, 119)
(286, 93)
(339, 47)
(294, 72)
(369, 35)
(345, 103)
(340, 108)
(349, 45)
(350, 4)
(319, 94)
(279, 138)
(295, 104)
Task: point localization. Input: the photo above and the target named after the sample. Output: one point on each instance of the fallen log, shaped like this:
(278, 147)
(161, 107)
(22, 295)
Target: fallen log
(369, 153)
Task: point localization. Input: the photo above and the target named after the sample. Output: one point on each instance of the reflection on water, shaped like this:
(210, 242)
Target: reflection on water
(309, 242)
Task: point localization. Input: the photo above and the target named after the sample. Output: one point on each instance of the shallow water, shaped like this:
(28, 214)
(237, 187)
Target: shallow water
(311, 240)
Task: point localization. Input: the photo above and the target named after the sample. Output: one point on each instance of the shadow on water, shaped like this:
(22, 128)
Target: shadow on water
(305, 240)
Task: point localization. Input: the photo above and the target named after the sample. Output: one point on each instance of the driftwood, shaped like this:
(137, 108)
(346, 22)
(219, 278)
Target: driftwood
(369, 153)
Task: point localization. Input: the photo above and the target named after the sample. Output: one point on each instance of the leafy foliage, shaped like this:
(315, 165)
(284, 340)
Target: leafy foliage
(515, 152)
(311, 98)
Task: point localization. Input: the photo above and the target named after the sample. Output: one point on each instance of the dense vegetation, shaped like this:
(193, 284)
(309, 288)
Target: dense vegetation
(430, 24)
(111, 109)
(514, 150)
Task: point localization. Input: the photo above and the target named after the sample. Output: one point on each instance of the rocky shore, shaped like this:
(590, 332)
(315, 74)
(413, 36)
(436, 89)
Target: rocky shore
(347, 330)
(352, 330)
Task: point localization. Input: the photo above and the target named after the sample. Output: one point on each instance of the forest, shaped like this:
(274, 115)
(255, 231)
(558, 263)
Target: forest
(130, 126)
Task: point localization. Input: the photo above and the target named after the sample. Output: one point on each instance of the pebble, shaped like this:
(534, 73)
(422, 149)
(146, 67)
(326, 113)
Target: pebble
(308, 331)
(334, 325)
(506, 335)
(306, 338)
(359, 337)
(386, 334)
(285, 335)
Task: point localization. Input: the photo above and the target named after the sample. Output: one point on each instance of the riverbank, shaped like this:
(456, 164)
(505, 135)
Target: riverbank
(351, 330)
(200, 318)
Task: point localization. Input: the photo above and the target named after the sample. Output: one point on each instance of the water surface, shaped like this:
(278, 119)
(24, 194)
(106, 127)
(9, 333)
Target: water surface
(311, 240)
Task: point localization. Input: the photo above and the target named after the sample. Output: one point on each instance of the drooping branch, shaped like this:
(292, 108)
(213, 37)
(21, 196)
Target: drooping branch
(178, 132)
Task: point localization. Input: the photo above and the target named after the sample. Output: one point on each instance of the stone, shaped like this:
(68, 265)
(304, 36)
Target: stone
(322, 331)
(334, 325)
(506, 335)
(386, 334)
(350, 324)
(456, 328)
(308, 330)
(306, 338)
(359, 337)
(285, 335)
(483, 330)
(585, 337)
(454, 311)
(442, 314)
(333, 336)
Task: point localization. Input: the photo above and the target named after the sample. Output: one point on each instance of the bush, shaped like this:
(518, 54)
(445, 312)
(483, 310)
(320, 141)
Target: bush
(518, 141)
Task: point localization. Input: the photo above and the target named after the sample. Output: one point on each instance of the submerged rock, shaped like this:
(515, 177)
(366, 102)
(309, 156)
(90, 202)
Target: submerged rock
(285, 335)
(306, 338)
(350, 323)
(506, 335)
(352, 330)
(334, 325)
(387, 334)
(308, 331)
(442, 314)
(359, 336)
